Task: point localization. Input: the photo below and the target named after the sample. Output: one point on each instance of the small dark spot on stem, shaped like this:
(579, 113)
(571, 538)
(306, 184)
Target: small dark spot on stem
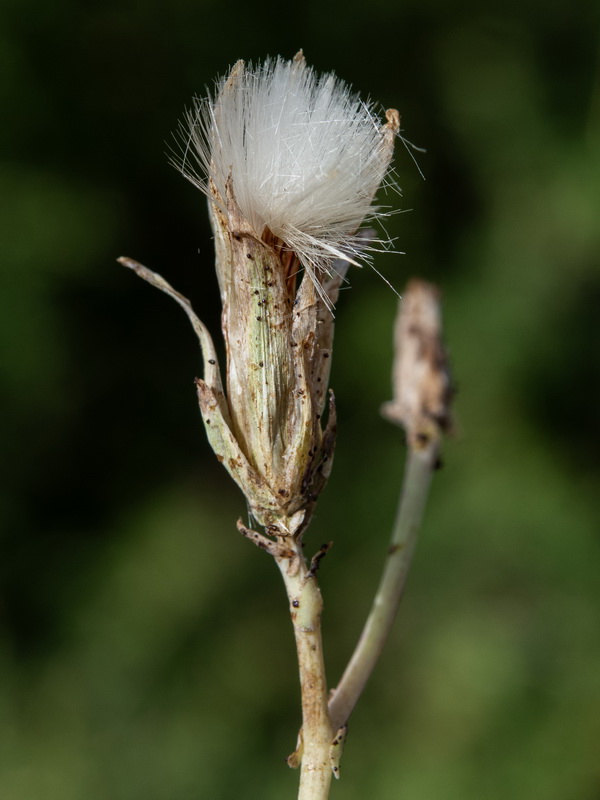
(326, 354)
(258, 319)
(250, 256)
(296, 603)
(211, 361)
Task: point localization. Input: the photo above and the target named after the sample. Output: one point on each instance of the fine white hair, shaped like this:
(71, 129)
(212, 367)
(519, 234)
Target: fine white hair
(305, 155)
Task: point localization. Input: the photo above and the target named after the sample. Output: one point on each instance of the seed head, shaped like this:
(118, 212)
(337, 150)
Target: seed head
(290, 163)
(304, 153)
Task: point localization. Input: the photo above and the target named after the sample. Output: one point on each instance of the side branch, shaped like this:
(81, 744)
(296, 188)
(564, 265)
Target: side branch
(420, 465)
(421, 405)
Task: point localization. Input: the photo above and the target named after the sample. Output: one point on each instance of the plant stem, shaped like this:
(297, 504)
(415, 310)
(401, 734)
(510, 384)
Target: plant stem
(419, 467)
(317, 735)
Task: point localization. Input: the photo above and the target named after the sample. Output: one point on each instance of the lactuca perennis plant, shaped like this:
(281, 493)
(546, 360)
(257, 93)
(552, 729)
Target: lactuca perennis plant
(290, 163)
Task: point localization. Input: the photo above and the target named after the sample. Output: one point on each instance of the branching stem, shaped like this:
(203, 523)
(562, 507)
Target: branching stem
(417, 478)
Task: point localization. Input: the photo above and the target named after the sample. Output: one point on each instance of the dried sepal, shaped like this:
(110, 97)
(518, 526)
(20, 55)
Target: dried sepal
(265, 506)
(212, 373)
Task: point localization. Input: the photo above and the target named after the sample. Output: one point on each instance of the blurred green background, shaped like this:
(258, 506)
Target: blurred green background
(145, 649)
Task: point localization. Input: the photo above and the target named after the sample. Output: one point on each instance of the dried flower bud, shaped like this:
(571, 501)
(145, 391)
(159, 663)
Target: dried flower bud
(421, 379)
(290, 163)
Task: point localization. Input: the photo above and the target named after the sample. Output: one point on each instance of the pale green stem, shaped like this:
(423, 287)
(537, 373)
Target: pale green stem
(419, 467)
(314, 746)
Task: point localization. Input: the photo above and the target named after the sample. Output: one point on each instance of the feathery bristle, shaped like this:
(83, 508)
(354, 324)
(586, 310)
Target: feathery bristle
(305, 154)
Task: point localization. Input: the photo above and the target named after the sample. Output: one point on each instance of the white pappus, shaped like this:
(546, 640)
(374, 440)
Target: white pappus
(305, 156)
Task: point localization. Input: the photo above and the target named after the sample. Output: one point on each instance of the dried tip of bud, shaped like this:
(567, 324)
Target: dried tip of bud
(421, 379)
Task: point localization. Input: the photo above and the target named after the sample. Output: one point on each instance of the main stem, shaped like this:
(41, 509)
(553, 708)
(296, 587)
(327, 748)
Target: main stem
(317, 735)
(419, 466)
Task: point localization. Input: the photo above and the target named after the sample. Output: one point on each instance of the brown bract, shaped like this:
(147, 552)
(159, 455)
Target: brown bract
(278, 333)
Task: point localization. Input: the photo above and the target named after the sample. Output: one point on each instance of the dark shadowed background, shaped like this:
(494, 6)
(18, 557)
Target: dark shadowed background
(145, 650)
